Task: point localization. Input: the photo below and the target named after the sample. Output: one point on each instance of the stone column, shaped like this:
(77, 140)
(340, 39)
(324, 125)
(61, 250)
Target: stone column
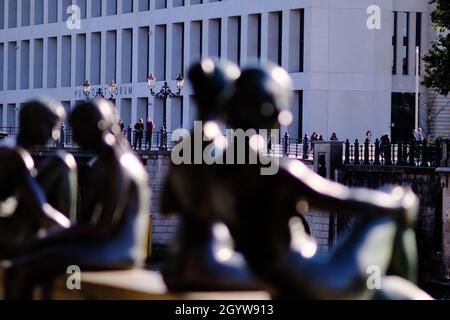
(445, 178)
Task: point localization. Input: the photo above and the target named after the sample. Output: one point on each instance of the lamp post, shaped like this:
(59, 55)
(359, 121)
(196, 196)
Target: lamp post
(165, 92)
(112, 89)
(87, 91)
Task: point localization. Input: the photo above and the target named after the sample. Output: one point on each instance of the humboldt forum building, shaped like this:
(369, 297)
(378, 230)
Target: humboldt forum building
(352, 61)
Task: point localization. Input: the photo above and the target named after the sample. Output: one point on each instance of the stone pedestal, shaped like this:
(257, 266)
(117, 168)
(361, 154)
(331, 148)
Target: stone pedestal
(445, 179)
(328, 157)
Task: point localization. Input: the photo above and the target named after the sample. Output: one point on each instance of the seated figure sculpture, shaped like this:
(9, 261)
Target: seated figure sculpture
(203, 257)
(262, 211)
(116, 237)
(53, 182)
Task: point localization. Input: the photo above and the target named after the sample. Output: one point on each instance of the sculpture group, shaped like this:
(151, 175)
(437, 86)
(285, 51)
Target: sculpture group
(239, 230)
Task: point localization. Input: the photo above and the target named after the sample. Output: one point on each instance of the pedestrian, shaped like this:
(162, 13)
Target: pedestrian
(419, 135)
(333, 137)
(384, 144)
(129, 131)
(368, 135)
(121, 126)
(149, 133)
(163, 138)
(138, 134)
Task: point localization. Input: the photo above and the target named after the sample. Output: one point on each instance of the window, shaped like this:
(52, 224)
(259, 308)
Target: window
(394, 43)
(419, 34)
(254, 42)
(405, 47)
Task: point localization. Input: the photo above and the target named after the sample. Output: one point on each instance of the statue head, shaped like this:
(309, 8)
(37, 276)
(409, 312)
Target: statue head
(38, 121)
(92, 122)
(212, 81)
(261, 99)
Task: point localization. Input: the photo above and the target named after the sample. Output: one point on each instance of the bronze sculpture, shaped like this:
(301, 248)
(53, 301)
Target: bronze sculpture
(116, 236)
(36, 196)
(277, 250)
(203, 257)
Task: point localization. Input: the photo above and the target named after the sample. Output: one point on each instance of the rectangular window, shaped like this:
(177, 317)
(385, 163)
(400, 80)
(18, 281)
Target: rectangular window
(39, 11)
(196, 41)
(52, 11)
(196, 1)
(405, 47)
(111, 56)
(2, 67)
(234, 39)
(127, 7)
(82, 5)
(12, 14)
(26, 10)
(96, 9)
(143, 56)
(160, 52)
(144, 5)
(215, 38)
(111, 7)
(12, 65)
(2, 14)
(394, 43)
(80, 61)
(38, 65)
(275, 37)
(296, 40)
(66, 61)
(96, 52)
(51, 62)
(64, 6)
(11, 115)
(178, 3)
(177, 50)
(419, 34)
(160, 4)
(127, 55)
(25, 65)
(254, 36)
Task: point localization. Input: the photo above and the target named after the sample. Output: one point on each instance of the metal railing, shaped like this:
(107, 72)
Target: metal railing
(413, 154)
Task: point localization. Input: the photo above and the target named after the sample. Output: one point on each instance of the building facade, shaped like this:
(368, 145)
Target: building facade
(349, 75)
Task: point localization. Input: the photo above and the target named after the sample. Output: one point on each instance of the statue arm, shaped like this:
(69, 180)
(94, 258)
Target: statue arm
(35, 200)
(327, 195)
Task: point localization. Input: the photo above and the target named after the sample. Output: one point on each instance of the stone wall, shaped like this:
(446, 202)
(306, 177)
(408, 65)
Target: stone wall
(165, 228)
(426, 184)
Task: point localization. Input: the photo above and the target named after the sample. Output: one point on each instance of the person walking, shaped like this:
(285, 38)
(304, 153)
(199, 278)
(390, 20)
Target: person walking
(138, 134)
(149, 133)
(419, 135)
(368, 135)
(334, 137)
(129, 133)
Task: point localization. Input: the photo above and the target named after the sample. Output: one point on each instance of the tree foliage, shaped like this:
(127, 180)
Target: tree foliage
(437, 60)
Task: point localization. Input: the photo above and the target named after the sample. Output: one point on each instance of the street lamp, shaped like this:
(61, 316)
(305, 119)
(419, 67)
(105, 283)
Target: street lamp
(87, 91)
(112, 89)
(165, 92)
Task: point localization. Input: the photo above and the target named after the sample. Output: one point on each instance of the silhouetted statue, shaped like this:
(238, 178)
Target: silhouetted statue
(32, 199)
(202, 257)
(56, 174)
(263, 207)
(116, 237)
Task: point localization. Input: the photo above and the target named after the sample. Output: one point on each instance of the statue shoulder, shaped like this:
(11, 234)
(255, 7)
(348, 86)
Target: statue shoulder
(63, 158)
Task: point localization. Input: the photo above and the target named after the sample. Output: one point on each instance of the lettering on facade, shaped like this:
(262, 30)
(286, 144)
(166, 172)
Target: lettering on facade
(120, 91)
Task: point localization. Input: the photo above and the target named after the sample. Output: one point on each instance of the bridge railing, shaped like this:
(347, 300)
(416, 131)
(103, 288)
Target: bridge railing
(414, 154)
